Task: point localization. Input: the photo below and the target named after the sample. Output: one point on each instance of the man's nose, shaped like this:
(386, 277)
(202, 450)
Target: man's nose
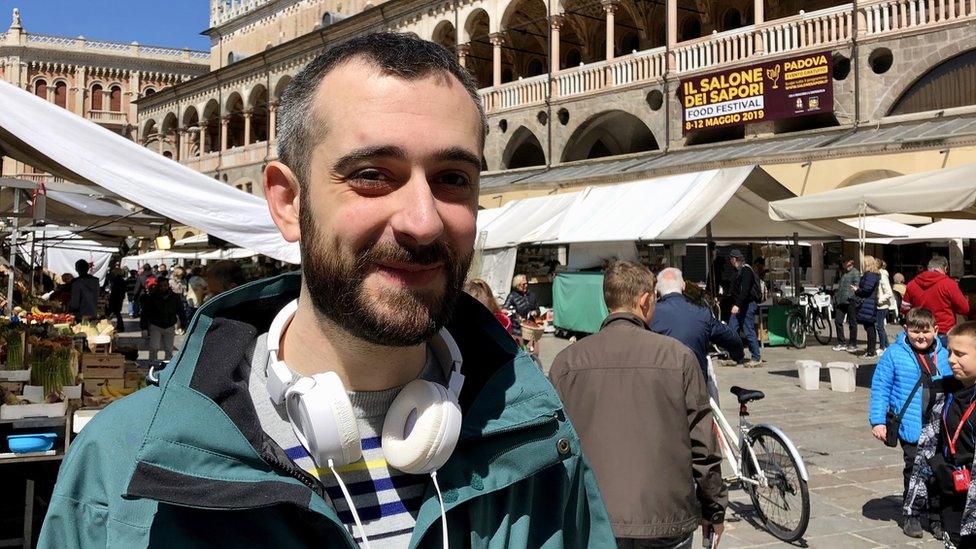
(416, 216)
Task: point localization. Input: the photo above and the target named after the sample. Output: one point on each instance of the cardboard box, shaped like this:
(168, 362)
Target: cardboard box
(96, 365)
(93, 385)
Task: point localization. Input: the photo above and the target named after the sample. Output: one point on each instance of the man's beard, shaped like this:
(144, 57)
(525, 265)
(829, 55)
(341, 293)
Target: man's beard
(396, 317)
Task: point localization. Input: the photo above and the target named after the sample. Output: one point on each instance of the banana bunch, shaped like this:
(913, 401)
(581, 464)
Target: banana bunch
(115, 393)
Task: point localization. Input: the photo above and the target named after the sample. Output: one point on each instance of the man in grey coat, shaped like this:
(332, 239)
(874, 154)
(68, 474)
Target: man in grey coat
(842, 298)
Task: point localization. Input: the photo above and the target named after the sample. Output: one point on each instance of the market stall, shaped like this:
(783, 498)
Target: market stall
(602, 223)
(67, 146)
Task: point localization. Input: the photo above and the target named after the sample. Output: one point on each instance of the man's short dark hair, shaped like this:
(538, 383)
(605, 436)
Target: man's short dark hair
(405, 56)
(81, 266)
(624, 282)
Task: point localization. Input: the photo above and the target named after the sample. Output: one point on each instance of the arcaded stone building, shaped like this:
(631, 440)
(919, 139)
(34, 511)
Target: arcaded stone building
(583, 92)
(92, 78)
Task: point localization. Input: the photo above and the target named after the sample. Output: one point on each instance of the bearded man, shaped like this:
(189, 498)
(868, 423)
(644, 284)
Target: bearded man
(345, 406)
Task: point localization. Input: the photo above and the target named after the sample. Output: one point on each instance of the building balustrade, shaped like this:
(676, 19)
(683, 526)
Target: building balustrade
(107, 117)
(786, 36)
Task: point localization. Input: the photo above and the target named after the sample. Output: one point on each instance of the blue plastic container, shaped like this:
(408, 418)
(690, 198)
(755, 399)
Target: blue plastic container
(34, 442)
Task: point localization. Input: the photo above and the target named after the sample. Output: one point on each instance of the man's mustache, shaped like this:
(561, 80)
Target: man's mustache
(438, 252)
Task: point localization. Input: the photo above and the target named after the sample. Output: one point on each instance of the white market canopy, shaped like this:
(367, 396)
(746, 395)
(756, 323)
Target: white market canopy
(733, 201)
(949, 192)
(65, 145)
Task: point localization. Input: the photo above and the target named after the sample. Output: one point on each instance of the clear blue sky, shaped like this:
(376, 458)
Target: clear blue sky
(175, 23)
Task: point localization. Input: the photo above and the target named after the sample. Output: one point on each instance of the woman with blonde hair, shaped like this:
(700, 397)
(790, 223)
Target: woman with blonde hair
(866, 301)
(481, 290)
(886, 302)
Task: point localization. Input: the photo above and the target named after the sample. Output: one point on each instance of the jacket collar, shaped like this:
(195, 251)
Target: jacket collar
(624, 317)
(204, 447)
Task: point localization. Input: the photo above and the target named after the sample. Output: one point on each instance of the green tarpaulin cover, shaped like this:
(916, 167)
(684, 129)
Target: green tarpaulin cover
(577, 300)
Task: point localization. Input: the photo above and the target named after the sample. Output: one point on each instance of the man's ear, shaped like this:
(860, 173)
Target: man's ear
(282, 192)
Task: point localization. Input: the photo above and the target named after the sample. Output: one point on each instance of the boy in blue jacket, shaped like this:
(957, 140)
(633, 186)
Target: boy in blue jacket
(917, 354)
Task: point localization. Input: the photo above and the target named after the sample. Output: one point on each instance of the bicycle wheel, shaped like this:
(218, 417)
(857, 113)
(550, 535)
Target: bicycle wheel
(822, 329)
(783, 505)
(795, 330)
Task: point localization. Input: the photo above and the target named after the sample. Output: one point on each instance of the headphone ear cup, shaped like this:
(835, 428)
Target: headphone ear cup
(324, 422)
(429, 442)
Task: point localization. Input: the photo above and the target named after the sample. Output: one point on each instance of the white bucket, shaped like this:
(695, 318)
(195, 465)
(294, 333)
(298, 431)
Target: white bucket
(809, 372)
(842, 376)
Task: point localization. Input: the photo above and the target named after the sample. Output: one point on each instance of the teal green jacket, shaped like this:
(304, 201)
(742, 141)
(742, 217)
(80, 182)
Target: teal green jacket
(186, 464)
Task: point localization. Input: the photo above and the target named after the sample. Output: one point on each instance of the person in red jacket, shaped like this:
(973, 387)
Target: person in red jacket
(940, 294)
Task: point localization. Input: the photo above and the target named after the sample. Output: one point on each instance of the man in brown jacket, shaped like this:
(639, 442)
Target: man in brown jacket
(638, 401)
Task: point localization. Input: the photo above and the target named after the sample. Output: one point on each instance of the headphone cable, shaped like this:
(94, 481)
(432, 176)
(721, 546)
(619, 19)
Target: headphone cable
(440, 499)
(352, 508)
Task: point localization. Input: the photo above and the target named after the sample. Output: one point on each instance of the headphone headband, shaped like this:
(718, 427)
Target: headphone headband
(280, 378)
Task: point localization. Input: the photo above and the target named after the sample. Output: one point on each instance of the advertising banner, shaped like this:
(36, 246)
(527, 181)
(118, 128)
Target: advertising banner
(785, 88)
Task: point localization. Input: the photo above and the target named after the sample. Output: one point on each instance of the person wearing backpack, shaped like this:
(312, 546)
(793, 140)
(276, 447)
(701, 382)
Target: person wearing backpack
(900, 397)
(746, 295)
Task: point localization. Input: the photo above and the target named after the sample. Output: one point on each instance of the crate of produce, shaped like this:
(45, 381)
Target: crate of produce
(135, 378)
(98, 365)
(20, 411)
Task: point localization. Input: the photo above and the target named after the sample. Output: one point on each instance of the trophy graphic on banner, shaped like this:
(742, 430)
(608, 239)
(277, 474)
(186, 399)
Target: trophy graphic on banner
(773, 74)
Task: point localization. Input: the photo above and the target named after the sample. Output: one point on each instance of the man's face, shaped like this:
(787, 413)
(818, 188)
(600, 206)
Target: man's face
(387, 216)
(962, 358)
(848, 265)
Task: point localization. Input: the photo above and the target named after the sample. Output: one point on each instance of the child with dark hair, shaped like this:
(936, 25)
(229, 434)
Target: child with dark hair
(901, 386)
(944, 463)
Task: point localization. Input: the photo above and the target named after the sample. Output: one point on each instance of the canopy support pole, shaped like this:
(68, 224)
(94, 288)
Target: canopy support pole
(795, 264)
(13, 254)
(710, 278)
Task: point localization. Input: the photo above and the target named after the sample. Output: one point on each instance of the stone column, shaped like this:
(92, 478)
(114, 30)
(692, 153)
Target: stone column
(160, 141)
(247, 127)
(554, 55)
(202, 139)
(672, 29)
(463, 51)
(182, 151)
(497, 40)
(610, 7)
(224, 123)
(672, 34)
(816, 263)
(81, 84)
(759, 17)
(272, 120)
(135, 85)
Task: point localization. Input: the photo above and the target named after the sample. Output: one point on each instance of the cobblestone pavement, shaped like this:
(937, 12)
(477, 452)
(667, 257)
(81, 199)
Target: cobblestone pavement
(855, 481)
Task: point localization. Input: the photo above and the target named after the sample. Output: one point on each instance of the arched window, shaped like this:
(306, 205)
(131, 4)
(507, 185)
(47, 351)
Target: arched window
(61, 94)
(40, 89)
(148, 92)
(96, 97)
(115, 99)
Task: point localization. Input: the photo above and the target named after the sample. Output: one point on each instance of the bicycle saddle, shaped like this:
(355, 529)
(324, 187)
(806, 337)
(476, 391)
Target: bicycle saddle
(746, 395)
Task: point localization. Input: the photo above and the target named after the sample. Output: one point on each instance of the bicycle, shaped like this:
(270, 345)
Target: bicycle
(767, 465)
(811, 315)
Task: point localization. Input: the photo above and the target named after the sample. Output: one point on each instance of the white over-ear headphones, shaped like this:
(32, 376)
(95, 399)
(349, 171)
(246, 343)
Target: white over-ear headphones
(421, 427)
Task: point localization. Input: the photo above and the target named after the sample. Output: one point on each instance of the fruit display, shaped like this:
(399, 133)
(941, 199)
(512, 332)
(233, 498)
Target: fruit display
(37, 316)
(108, 391)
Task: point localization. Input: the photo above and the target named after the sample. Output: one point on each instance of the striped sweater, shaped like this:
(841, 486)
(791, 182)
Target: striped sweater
(387, 500)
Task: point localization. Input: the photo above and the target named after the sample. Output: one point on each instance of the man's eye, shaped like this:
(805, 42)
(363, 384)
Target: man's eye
(369, 176)
(454, 179)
